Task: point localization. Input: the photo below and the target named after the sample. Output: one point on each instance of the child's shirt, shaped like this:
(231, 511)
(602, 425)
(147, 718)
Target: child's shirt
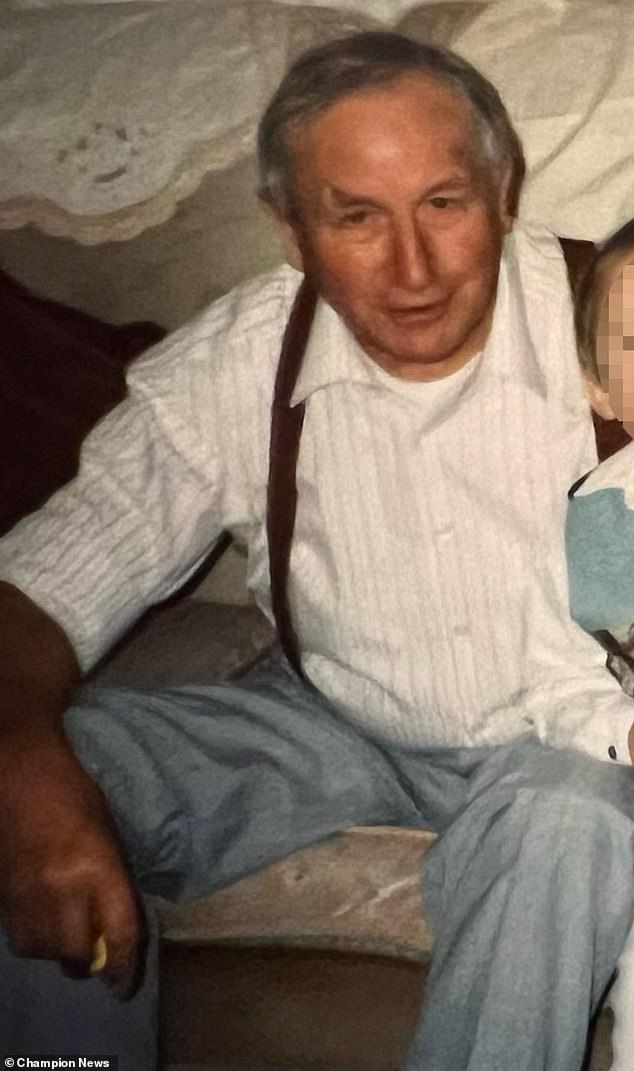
(600, 556)
(565, 668)
(600, 547)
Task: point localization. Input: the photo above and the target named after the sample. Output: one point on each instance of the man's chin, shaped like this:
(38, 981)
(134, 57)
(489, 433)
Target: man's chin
(397, 352)
(417, 348)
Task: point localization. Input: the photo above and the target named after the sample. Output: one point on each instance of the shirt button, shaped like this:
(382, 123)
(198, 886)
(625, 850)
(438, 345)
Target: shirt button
(444, 531)
(612, 751)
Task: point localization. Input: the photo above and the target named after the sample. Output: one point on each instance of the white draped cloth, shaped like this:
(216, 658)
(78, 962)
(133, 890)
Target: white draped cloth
(112, 113)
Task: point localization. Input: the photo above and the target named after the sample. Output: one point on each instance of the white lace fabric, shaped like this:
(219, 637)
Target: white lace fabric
(112, 113)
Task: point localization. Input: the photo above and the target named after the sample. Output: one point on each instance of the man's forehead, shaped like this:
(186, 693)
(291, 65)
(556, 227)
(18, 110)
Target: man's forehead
(442, 178)
(374, 129)
(429, 101)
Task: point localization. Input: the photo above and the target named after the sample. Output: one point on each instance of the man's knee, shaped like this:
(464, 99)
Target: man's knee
(579, 818)
(568, 822)
(564, 781)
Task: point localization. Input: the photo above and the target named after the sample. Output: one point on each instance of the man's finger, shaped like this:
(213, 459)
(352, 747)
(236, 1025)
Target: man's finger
(57, 928)
(76, 936)
(86, 968)
(120, 932)
(74, 968)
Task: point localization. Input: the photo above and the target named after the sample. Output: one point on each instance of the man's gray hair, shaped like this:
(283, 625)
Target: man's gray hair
(325, 74)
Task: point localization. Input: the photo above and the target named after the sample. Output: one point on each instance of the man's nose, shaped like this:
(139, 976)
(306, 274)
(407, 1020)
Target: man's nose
(411, 256)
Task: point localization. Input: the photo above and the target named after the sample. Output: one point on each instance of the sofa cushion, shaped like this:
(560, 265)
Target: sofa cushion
(188, 641)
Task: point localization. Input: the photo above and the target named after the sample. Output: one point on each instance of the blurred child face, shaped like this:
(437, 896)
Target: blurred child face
(615, 340)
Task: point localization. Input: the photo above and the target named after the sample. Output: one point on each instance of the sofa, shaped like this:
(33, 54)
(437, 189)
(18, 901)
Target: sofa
(127, 173)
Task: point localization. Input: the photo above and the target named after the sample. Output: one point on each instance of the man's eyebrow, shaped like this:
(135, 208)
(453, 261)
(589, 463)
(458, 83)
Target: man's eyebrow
(346, 198)
(452, 182)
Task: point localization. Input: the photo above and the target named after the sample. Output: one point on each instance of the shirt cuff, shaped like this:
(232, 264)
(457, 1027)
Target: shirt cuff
(597, 722)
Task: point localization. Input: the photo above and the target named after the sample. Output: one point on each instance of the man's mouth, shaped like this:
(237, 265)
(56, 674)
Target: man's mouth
(422, 312)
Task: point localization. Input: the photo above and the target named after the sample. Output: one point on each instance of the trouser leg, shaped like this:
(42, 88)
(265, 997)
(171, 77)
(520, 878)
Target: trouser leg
(621, 1000)
(205, 785)
(208, 784)
(529, 893)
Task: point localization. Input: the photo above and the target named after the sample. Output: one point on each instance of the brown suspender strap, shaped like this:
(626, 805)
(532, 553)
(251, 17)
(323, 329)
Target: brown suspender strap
(286, 429)
(578, 255)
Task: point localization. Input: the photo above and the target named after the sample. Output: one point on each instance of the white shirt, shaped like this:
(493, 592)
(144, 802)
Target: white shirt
(428, 585)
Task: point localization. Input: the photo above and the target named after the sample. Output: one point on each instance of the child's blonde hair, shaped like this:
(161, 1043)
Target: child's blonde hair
(591, 293)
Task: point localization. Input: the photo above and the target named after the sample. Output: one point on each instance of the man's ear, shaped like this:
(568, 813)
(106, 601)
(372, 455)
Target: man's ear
(506, 215)
(599, 399)
(288, 236)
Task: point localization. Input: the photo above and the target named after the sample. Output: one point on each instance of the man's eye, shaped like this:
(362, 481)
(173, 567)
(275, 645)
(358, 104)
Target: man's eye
(356, 218)
(441, 202)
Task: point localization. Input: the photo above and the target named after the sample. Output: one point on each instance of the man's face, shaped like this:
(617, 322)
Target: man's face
(400, 224)
(615, 341)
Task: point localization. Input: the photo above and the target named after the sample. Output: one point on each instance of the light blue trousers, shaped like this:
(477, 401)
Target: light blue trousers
(529, 887)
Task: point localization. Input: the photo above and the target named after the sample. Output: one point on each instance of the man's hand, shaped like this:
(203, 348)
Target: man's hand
(63, 883)
(63, 879)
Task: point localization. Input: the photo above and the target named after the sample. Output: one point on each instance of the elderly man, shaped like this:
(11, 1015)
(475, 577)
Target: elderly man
(437, 680)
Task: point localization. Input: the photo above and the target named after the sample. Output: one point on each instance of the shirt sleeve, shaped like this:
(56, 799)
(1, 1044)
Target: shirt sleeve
(593, 716)
(144, 509)
(572, 698)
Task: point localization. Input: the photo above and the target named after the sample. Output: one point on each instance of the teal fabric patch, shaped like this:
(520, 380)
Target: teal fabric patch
(600, 553)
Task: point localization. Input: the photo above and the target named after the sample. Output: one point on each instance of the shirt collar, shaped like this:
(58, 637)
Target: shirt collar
(333, 355)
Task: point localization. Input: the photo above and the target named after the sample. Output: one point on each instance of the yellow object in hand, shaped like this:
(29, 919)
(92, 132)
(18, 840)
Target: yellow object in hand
(99, 955)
